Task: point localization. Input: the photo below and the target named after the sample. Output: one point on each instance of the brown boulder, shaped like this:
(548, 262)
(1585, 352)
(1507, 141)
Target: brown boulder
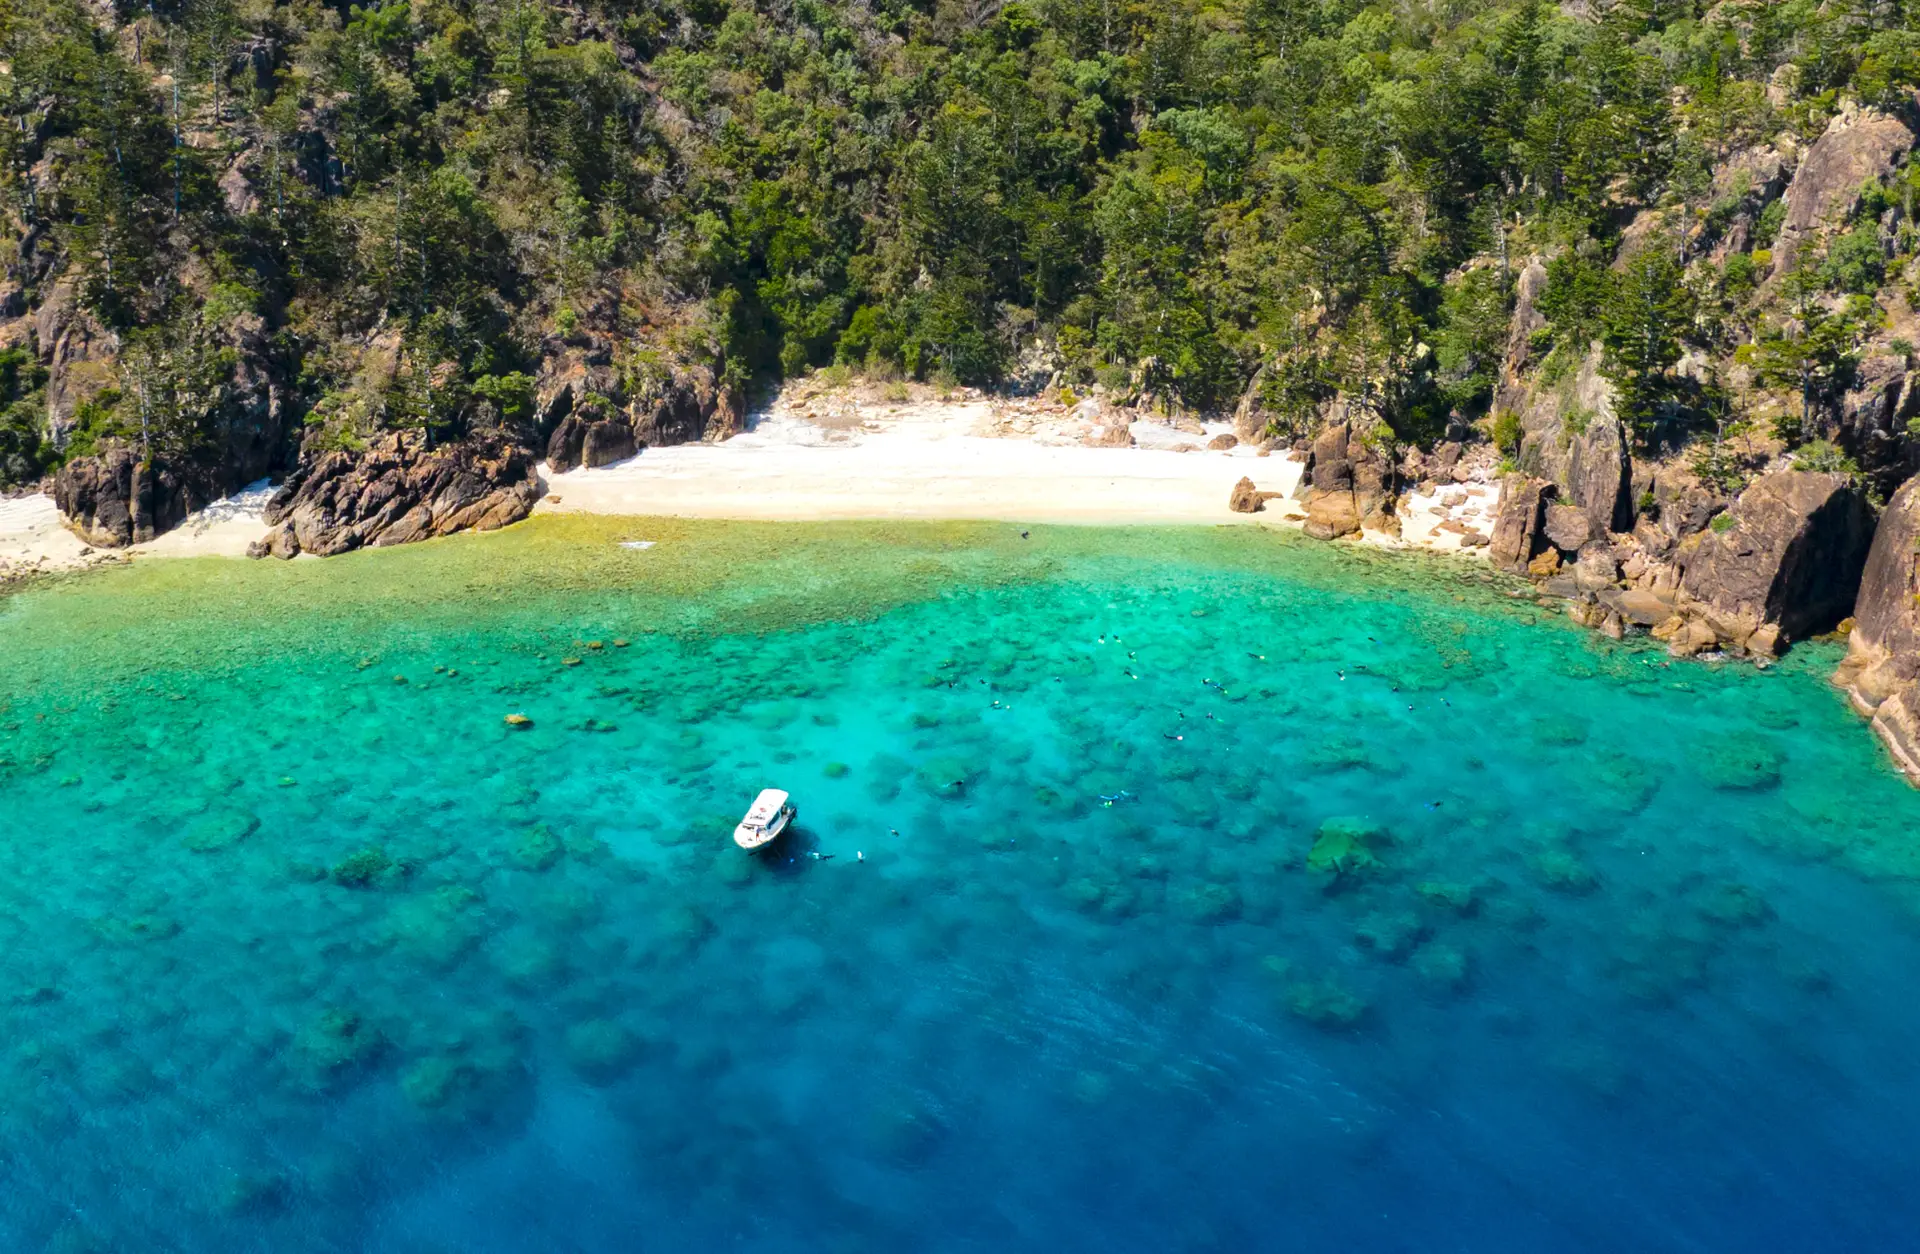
(591, 442)
(1224, 440)
(1247, 499)
(1568, 528)
(397, 491)
(1881, 672)
(1352, 484)
(1790, 556)
(1571, 435)
(1519, 521)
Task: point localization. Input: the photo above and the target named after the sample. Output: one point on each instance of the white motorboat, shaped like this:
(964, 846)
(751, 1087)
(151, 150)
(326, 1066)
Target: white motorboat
(766, 819)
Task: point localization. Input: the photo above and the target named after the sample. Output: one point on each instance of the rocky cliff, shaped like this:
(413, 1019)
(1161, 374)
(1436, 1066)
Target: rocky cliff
(1881, 673)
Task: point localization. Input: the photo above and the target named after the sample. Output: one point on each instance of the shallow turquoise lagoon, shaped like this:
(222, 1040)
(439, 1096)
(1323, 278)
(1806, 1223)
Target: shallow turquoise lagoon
(1178, 891)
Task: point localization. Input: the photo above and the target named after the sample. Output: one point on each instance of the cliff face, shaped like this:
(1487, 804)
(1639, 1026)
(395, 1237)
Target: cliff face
(1881, 673)
(1573, 439)
(1788, 564)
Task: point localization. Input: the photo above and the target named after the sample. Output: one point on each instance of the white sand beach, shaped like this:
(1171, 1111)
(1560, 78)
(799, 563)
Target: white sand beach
(963, 459)
(33, 541)
(848, 454)
(816, 455)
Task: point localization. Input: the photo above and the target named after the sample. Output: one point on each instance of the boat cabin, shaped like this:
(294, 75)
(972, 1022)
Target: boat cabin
(766, 819)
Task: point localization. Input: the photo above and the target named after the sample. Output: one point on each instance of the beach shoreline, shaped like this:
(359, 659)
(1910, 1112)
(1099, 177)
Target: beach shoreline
(817, 456)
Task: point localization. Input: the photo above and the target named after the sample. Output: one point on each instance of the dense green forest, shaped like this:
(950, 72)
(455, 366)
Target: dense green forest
(1174, 199)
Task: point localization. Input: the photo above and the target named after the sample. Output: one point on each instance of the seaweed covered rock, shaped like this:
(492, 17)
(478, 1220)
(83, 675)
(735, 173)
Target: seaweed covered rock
(1881, 673)
(398, 491)
(1351, 484)
(1786, 563)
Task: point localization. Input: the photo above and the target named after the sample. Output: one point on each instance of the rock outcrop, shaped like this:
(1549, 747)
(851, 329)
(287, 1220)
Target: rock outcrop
(1742, 188)
(118, 499)
(1519, 524)
(1786, 564)
(77, 352)
(1859, 144)
(398, 491)
(588, 414)
(1873, 415)
(581, 440)
(1881, 673)
(1248, 499)
(1351, 484)
(688, 405)
(1571, 436)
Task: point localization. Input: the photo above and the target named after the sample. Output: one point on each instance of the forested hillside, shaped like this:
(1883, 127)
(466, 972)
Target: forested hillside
(236, 228)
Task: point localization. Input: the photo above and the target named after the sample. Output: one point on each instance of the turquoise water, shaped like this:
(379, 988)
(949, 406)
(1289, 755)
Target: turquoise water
(1418, 921)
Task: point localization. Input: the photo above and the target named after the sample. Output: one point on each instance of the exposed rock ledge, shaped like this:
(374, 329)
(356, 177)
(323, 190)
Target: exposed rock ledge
(1881, 673)
(398, 491)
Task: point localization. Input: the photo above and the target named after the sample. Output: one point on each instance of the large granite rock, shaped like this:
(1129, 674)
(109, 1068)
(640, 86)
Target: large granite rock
(1571, 436)
(118, 499)
(590, 442)
(398, 491)
(1519, 524)
(77, 352)
(1859, 144)
(1246, 498)
(678, 404)
(1787, 563)
(1351, 483)
(1881, 673)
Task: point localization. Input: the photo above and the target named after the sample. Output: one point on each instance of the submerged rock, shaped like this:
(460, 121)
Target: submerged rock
(600, 1051)
(1345, 846)
(1326, 1004)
